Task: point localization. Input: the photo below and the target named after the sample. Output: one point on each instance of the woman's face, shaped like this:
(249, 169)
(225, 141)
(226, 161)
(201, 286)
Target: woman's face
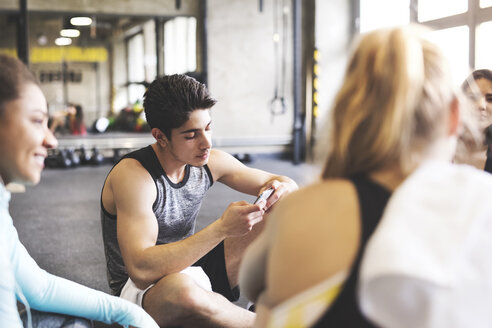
(483, 100)
(24, 136)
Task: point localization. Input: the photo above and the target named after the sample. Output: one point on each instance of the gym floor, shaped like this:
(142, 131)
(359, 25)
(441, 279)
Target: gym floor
(58, 219)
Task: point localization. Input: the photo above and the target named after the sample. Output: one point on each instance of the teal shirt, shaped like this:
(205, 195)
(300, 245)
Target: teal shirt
(22, 279)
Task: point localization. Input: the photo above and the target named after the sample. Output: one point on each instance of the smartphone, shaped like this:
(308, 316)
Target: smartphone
(264, 195)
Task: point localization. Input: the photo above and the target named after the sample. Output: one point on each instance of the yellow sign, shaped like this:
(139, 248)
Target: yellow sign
(58, 54)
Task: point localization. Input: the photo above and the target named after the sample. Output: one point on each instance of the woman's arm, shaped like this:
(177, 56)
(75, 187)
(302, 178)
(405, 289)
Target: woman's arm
(49, 293)
(252, 272)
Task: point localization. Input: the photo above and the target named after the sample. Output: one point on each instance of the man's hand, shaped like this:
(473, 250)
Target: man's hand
(280, 189)
(240, 217)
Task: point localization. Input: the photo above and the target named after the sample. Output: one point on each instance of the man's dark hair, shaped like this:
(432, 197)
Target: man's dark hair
(13, 76)
(170, 99)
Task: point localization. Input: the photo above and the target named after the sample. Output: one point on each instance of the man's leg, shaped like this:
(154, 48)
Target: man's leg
(176, 300)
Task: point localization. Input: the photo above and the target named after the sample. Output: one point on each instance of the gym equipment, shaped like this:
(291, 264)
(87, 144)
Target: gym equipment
(63, 159)
(85, 158)
(116, 155)
(73, 156)
(243, 157)
(100, 125)
(97, 158)
(53, 158)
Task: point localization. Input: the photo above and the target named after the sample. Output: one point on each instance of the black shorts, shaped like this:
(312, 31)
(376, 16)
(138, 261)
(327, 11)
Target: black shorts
(213, 263)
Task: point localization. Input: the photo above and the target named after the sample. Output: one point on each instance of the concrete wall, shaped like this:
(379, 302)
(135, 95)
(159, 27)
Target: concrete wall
(241, 72)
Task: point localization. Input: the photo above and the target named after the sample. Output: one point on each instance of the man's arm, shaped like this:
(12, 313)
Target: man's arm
(228, 170)
(134, 193)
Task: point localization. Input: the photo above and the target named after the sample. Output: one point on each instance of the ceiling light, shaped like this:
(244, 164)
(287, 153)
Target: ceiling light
(70, 32)
(81, 21)
(63, 41)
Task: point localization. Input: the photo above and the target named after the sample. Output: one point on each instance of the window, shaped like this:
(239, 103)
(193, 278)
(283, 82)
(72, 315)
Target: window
(372, 17)
(462, 28)
(434, 9)
(454, 43)
(485, 3)
(484, 46)
(180, 45)
(136, 68)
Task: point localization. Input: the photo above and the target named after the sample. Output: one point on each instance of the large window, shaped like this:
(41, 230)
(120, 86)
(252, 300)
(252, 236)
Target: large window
(374, 13)
(136, 68)
(454, 42)
(180, 45)
(434, 9)
(484, 46)
(485, 3)
(462, 28)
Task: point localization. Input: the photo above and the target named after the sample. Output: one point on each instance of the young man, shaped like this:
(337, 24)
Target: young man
(149, 205)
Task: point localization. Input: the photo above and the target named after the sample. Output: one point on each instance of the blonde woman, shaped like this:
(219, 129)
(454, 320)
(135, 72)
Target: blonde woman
(396, 110)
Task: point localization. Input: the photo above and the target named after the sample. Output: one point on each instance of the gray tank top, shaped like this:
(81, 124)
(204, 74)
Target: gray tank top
(175, 207)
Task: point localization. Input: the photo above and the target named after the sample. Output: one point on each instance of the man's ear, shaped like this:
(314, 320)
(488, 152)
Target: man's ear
(454, 117)
(160, 137)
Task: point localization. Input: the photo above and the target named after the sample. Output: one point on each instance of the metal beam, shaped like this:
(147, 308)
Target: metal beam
(298, 129)
(22, 33)
(203, 37)
(159, 45)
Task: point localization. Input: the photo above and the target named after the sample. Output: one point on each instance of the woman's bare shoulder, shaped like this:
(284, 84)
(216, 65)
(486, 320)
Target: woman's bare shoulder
(333, 194)
(316, 236)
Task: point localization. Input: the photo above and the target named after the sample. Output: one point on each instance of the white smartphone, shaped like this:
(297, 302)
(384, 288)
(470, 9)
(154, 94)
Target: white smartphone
(264, 195)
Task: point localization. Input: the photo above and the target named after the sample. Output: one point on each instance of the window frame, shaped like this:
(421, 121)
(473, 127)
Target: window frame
(128, 39)
(471, 18)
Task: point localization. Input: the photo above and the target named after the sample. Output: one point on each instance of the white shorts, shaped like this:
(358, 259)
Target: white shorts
(132, 293)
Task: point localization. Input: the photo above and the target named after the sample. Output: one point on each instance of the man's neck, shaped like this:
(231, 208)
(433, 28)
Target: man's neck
(175, 170)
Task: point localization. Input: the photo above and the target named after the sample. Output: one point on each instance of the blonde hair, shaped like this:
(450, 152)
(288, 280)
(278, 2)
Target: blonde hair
(393, 103)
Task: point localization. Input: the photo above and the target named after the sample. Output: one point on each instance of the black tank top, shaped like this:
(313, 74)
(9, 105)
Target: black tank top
(345, 312)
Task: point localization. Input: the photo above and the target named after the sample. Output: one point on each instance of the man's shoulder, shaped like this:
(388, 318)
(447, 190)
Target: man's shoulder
(220, 162)
(128, 168)
(218, 154)
(220, 157)
(128, 163)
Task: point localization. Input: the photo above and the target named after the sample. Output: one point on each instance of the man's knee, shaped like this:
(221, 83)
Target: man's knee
(195, 299)
(180, 295)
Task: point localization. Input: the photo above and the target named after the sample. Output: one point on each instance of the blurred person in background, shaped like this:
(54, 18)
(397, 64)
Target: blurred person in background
(478, 88)
(69, 121)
